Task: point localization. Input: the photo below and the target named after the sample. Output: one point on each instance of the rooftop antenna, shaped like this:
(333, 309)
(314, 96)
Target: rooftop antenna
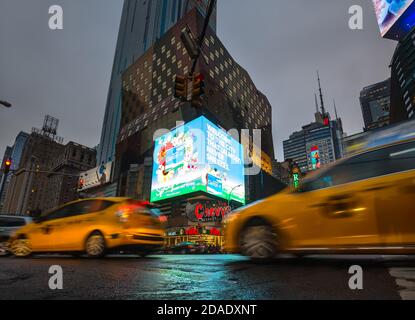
(323, 110)
(335, 109)
(315, 98)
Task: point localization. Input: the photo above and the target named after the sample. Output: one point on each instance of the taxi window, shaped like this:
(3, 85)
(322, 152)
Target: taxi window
(89, 206)
(78, 208)
(373, 164)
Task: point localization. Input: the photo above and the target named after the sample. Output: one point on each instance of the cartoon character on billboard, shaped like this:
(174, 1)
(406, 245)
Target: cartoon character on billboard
(162, 172)
(315, 158)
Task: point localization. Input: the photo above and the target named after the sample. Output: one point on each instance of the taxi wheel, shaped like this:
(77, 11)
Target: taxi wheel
(259, 242)
(21, 248)
(95, 245)
(4, 252)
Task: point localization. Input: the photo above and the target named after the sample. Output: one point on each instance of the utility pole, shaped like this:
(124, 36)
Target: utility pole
(202, 35)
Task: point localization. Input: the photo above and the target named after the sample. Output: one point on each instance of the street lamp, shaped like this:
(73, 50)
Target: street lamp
(5, 104)
(230, 194)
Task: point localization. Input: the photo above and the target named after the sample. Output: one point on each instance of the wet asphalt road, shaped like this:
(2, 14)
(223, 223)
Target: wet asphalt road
(203, 277)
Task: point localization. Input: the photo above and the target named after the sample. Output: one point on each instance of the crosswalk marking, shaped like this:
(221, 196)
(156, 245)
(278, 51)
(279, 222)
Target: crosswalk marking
(405, 280)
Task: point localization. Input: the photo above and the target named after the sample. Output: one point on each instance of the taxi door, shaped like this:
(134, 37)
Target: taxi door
(337, 206)
(395, 196)
(45, 233)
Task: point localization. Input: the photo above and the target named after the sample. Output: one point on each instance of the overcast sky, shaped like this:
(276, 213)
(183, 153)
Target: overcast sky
(280, 43)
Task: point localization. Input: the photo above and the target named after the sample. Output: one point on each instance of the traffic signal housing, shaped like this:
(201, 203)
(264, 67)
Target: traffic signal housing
(190, 43)
(198, 90)
(180, 87)
(198, 86)
(7, 166)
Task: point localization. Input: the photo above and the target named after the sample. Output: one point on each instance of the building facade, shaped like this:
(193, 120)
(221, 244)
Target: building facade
(64, 173)
(375, 104)
(4, 178)
(15, 156)
(45, 171)
(143, 22)
(316, 145)
(231, 101)
(403, 79)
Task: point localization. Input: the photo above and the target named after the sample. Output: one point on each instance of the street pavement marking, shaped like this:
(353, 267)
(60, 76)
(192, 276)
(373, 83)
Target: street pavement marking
(405, 280)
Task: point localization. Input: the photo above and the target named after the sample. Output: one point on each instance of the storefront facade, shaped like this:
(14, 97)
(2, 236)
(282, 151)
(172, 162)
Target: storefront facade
(195, 220)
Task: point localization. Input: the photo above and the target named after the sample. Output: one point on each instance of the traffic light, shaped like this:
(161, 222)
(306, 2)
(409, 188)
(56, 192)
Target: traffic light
(190, 43)
(198, 90)
(180, 88)
(198, 86)
(7, 165)
(81, 183)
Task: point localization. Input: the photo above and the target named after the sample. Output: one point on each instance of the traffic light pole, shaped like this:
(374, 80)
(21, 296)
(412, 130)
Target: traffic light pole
(203, 34)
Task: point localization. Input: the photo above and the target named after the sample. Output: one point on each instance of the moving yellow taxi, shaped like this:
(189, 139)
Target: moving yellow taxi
(362, 204)
(94, 227)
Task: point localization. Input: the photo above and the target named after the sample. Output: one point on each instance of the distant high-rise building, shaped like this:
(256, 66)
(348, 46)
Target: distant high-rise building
(15, 156)
(7, 156)
(318, 143)
(403, 80)
(375, 104)
(45, 171)
(142, 23)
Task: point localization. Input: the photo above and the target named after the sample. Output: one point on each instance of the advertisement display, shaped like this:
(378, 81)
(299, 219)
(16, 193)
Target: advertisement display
(315, 158)
(198, 156)
(388, 14)
(96, 177)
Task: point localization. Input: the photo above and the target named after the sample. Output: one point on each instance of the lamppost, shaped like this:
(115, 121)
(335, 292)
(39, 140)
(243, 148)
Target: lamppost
(5, 104)
(230, 194)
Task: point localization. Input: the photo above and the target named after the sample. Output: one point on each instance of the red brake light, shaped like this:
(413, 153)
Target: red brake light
(163, 219)
(124, 212)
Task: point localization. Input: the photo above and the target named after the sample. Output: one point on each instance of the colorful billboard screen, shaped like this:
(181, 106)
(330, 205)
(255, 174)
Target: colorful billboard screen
(198, 156)
(393, 17)
(315, 158)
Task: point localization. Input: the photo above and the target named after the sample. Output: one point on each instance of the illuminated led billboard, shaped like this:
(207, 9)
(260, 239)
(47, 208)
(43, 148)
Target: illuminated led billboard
(315, 158)
(395, 17)
(198, 156)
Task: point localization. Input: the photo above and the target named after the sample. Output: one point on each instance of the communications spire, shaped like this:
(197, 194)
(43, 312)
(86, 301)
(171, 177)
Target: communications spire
(335, 109)
(323, 110)
(315, 98)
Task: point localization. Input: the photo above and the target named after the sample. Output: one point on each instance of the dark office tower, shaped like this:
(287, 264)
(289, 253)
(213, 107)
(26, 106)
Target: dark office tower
(232, 100)
(142, 23)
(403, 80)
(7, 156)
(375, 104)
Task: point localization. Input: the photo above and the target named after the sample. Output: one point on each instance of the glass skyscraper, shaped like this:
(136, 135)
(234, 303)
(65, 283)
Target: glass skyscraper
(142, 23)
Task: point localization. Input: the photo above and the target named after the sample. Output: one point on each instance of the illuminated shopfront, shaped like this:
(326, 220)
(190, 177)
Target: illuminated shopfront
(197, 220)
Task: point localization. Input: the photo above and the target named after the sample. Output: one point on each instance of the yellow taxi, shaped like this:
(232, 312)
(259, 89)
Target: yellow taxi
(361, 204)
(93, 226)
